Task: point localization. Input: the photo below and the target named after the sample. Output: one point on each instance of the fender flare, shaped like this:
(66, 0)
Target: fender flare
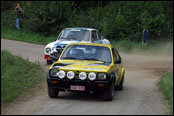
(121, 75)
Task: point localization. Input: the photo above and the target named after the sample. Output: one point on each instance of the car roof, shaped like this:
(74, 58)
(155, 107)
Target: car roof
(93, 44)
(81, 28)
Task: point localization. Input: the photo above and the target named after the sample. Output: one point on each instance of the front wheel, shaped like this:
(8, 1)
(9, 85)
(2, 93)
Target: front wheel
(52, 93)
(109, 94)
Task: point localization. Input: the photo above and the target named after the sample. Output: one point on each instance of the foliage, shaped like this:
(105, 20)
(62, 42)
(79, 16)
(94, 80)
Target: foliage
(115, 19)
(166, 85)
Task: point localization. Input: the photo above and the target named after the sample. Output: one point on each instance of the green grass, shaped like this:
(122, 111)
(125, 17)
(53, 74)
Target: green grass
(153, 46)
(17, 75)
(25, 36)
(166, 86)
(123, 45)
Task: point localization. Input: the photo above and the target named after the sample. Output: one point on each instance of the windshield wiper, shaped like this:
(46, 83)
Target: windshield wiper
(92, 59)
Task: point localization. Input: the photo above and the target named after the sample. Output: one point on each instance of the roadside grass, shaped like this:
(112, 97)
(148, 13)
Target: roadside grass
(122, 45)
(25, 36)
(166, 86)
(152, 46)
(17, 75)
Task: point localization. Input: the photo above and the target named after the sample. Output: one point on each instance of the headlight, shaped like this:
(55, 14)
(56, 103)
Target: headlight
(92, 76)
(101, 76)
(48, 50)
(70, 75)
(53, 72)
(61, 74)
(82, 75)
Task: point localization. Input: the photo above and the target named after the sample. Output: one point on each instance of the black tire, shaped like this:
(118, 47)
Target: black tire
(109, 94)
(49, 62)
(121, 85)
(52, 93)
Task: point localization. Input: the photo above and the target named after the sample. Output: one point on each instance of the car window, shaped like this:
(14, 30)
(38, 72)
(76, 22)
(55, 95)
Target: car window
(94, 36)
(117, 55)
(87, 52)
(114, 55)
(99, 35)
(75, 34)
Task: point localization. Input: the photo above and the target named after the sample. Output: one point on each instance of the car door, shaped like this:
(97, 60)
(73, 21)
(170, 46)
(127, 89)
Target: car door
(116, 66)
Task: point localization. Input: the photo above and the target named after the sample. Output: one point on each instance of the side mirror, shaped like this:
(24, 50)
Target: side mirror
(53, 57)
(55, 39)
(118, 62)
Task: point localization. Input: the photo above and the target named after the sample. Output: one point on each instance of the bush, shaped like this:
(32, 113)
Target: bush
(166, 86)
(115, 19)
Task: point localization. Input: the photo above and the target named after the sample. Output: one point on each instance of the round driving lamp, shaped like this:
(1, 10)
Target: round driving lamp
(82, 75)
(61, 74)
(92, 76)
(70, 75)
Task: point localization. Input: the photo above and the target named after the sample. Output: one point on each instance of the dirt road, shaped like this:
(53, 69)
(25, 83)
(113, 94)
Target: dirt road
(140, 96)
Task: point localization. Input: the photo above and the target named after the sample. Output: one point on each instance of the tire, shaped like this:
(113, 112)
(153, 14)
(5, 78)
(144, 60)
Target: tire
(52, 93)
(121, 85)
(49, 62)
(109, 94)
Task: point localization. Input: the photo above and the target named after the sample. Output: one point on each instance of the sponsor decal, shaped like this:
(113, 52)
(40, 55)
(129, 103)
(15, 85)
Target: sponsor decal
(93, 64)
(76, 30)
(66, 67)
(97, 64)
(58, 44)
(93, 69)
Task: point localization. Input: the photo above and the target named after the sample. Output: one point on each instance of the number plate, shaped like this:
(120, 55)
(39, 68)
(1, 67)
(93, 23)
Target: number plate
(77, 88)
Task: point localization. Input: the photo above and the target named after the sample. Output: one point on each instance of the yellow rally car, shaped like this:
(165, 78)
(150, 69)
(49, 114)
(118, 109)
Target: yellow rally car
(87, 67)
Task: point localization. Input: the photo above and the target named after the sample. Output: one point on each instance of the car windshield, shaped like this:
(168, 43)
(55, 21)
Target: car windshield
(75, 34)
(87, 52)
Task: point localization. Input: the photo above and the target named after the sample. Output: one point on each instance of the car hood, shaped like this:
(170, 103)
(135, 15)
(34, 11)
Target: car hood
(62, 43)
(51, 44)
(81, 66)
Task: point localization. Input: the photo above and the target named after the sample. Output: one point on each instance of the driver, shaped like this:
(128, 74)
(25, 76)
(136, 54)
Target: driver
(89, 53)
(86, 36)
(99, 54)
(70, 35)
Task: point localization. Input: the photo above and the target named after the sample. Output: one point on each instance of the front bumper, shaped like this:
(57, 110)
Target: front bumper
(47, 57)
(64, 84)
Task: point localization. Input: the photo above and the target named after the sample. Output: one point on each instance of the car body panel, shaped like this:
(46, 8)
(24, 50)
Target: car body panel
(78, 66)
(63, 43)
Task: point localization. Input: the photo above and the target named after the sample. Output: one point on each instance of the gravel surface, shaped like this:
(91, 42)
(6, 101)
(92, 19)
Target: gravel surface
(140, 96)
